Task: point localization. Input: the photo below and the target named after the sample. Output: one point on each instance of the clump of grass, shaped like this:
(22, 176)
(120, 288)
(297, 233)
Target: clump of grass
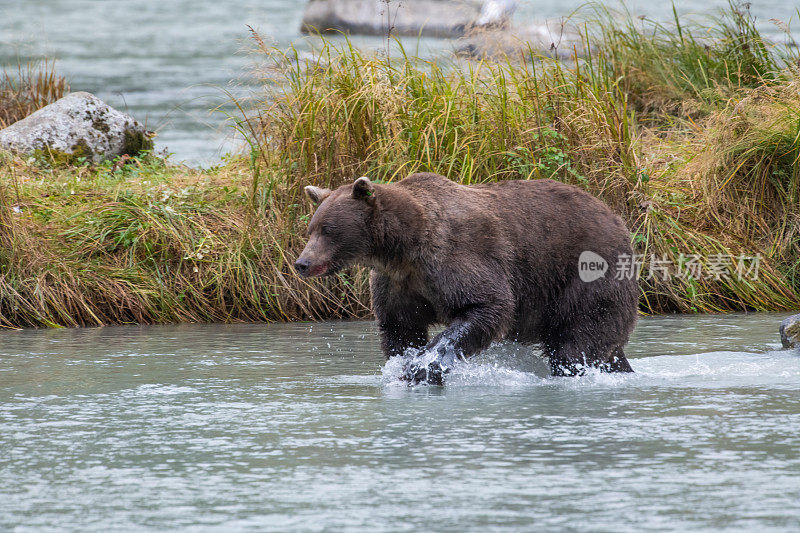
(687, 68)
(31, 87)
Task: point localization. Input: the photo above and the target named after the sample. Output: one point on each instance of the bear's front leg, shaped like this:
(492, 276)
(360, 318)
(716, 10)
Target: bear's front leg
(431, 363)
(403, 316)
(471, 332)
(396, 338)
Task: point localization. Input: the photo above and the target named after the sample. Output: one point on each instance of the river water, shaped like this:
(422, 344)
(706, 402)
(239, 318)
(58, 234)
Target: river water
(170, 62)
(298, 427)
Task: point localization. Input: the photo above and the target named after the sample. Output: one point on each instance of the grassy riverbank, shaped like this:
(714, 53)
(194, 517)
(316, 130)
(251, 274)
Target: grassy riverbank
(691, 133)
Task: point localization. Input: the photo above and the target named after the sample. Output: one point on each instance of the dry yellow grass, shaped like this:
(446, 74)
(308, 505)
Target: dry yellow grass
(31, 87)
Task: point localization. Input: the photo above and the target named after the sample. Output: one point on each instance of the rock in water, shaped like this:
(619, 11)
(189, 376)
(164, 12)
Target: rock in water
(790, 332)
(80, 125)
(434, 18)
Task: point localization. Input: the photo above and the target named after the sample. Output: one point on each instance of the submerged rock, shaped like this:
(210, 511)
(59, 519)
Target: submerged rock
(78, 125)
(555, 38)
(790, 332)
(435, 18)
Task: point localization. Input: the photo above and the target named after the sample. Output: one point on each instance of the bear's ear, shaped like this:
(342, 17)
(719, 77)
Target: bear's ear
(363, 188)
(317, 194)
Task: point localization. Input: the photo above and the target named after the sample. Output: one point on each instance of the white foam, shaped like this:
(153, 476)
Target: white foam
(501, 366)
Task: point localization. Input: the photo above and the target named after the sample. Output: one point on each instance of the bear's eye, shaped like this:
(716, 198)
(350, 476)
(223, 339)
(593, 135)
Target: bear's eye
(325, 229)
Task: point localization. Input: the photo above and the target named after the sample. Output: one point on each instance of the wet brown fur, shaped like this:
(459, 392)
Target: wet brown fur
(490, 262)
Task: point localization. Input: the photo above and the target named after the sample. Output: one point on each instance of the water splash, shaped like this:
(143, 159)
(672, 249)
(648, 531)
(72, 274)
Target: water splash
(510, 365)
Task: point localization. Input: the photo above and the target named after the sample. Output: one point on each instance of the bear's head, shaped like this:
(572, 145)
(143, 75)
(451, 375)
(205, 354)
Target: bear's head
(339, 232)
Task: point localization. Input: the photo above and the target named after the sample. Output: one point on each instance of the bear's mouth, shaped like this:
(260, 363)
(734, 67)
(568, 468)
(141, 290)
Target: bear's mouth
(331, 268)
(328, 268)
(319, 270)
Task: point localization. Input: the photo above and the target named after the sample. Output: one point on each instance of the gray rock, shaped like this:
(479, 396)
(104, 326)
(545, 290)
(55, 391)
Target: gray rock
(79, 124)
(434, 18)
(790, 332)
(554, 38)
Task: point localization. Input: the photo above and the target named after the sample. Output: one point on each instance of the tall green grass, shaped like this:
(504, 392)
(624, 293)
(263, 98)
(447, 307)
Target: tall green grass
(686, 68)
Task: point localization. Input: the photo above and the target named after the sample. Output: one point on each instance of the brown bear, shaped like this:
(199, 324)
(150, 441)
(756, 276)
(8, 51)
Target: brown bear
(490, 262)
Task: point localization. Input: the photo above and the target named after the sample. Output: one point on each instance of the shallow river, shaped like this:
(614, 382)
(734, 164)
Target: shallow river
(299, 428)
(168, 62)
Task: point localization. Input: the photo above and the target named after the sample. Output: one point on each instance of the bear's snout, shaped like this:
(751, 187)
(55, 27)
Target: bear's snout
(301, 266)
(315, 259)
(310, 268)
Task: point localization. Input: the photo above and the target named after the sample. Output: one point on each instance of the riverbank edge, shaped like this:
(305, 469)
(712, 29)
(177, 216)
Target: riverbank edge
(149, 242)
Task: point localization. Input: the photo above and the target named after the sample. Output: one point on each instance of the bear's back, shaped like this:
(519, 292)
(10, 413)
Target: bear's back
(531, 225)
(524, 205)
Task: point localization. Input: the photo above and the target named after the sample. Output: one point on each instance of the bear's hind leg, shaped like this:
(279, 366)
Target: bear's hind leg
(588, 325)
(569, 360)
(617, 362)
(566, 360)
